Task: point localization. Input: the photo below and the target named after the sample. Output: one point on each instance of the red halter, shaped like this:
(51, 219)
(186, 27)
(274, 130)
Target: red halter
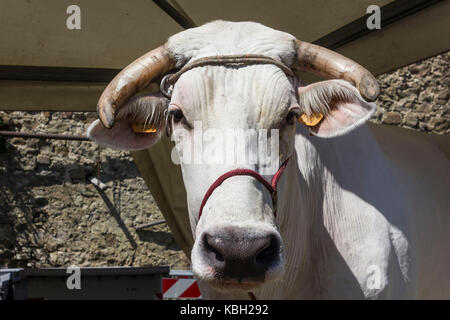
(272, 187)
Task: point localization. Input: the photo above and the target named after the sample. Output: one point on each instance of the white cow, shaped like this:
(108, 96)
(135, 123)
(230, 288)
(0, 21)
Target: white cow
(361, 211)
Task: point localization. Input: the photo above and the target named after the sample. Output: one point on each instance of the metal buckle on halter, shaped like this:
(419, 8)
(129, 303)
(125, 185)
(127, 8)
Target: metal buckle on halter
(165, 87)
(168, 124)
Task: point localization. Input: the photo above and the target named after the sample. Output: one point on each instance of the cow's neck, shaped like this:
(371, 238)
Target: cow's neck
(331, 234)
(307, 220)
(301, 224)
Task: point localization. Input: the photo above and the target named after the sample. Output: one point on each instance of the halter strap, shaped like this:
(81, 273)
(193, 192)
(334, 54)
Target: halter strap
(271, 187)
(228, 60)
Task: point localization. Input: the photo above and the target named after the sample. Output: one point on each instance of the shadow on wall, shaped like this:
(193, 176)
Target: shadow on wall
(116, 214)
(44, 173)
(29, 232)
(17, 219)
(158, 237)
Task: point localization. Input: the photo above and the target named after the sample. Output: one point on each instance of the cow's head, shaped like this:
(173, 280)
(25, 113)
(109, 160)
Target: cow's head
(237, 242)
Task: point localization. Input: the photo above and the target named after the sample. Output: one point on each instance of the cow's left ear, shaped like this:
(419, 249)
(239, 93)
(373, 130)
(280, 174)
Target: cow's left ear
(333, 107)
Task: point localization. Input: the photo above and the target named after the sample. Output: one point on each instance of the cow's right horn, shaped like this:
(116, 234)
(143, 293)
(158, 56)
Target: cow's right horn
(130, 80)
(332, 65)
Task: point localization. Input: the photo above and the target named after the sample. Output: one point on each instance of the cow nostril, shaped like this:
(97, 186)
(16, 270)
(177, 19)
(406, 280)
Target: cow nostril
(268, 253)
(208, 242)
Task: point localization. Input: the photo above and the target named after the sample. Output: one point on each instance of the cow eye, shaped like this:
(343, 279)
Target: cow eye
(177, 115)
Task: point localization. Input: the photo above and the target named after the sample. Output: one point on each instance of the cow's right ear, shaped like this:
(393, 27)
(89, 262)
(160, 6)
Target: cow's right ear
(333, 107)
(138, 125)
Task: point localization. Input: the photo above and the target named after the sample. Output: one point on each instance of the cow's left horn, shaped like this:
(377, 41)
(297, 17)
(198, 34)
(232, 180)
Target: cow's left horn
(332, 65)
(130, 80)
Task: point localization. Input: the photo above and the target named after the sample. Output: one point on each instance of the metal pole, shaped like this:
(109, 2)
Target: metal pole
(146, 225)
(12, 134)
(180, 17)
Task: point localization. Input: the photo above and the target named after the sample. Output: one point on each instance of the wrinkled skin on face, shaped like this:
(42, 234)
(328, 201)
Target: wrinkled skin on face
(241, 205)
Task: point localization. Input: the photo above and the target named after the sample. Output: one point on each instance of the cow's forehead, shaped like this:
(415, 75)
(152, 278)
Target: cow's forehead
(250, 96)
(231, 38)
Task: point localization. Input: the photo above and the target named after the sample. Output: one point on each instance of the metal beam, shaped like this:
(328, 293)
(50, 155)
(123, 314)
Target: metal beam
(41, 135)
(66, 74)
(49, 95)
(390, 13)
(180, 17)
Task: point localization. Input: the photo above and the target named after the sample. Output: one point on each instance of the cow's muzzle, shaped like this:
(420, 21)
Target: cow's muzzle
(240, 259)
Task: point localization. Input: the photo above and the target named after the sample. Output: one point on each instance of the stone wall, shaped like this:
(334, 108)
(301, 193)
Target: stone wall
(50, 215)
(417, 96)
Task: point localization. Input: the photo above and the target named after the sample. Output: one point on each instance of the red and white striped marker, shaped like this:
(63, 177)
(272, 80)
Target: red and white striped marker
(182, 286)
